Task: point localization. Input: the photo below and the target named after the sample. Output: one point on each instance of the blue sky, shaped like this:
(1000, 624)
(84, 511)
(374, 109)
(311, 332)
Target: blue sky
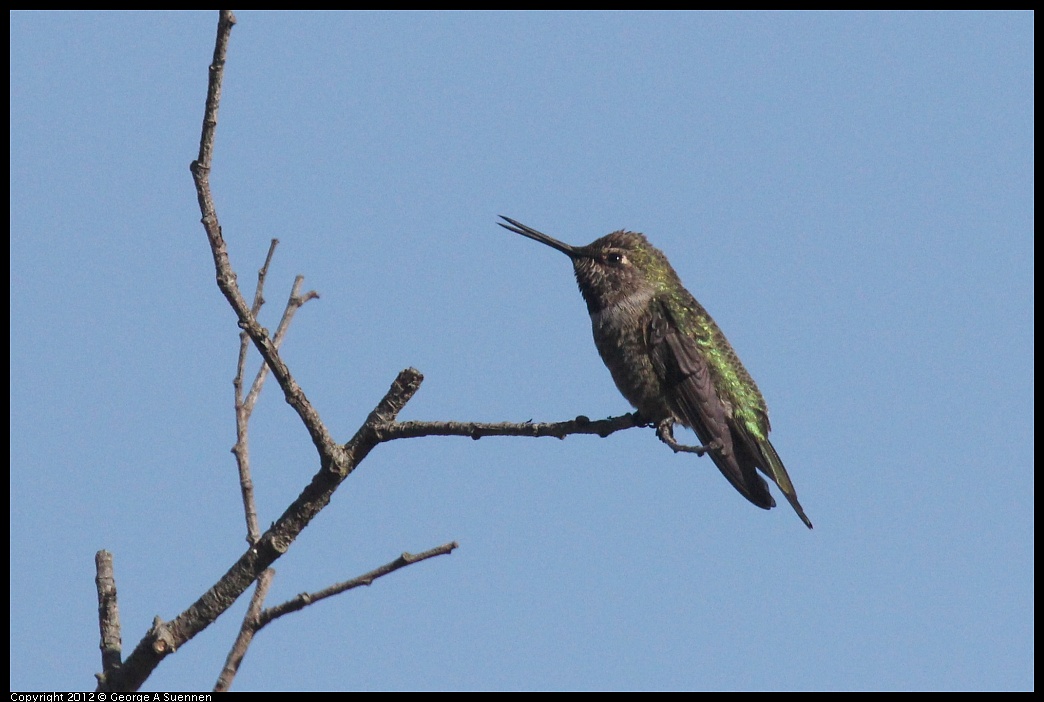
(850, 195)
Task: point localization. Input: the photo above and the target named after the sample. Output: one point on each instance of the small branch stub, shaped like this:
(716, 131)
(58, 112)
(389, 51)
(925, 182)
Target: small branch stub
(108, 614)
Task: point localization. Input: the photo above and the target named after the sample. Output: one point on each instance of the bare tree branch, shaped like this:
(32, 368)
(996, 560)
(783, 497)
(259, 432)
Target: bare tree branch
(108, 615)
(477, 430)
(262, 275)
(243, 409)
(226, 277)
(293, 303)
(305, 598)
(256, 619)
(337, 462)
(165, 637)
(246, 633)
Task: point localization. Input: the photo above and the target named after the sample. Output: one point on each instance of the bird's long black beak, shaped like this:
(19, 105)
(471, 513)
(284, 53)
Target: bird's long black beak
(519, 228)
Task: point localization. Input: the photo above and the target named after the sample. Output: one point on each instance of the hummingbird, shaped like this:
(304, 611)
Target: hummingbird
(670, 360)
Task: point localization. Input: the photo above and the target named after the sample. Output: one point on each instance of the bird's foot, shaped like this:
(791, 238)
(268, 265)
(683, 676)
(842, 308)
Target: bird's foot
(665, 432)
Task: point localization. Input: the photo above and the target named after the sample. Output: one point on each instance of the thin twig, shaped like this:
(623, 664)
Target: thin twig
(243, 410)
(245, 407)
(262, 274)
(293, 303)
(247, 630)
(305, 598)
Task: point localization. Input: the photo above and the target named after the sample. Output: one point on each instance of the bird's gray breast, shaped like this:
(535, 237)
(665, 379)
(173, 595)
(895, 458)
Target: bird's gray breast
(620, 334)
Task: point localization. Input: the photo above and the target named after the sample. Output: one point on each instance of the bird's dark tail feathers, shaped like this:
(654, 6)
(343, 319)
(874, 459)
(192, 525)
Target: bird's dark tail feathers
(772, 466)
(741, 469)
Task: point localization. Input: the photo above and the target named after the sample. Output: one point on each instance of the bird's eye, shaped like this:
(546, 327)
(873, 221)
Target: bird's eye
(615, 258)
